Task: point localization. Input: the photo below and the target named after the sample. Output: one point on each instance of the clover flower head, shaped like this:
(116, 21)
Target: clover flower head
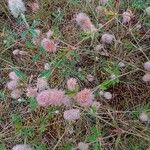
(49, 45)
(148, 10)
(42, 84)
(107, 38)
(13, 76)
(22, 147)
(144, 117)
(147, 65)
(16, 7)
(11, 85)
(72, 114)
(71, 84)
(85, 23)
(16, 93)
(85, 98)
(31, 92)
(83, 146)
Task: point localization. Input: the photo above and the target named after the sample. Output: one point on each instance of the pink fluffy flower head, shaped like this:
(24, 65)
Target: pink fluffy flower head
(72, 114)
(85, 97)
(43, 98)
(71, 84)
(13, 76)
(16, 93)
(42, 84)
(107, 38)
(51, 97)
(11, 85)
(127, 16)
(49, 45)
(31, 92)
(34, 6)
(56, 97)
(67, 101)
(85, 23)
(49, 34)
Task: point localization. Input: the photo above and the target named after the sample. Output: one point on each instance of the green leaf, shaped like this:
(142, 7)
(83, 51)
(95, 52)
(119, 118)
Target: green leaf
(51, 111)
(95, 134)
(27, 131)
(108, 83)
(96, 146)
(93, 110)
(32, 104)
(16, 120)
(24, 34)
(20, 74)
(42, 128)
(35, 24)
(41, 50)
(41, 147)
(2, 146)
(46, 74)
(147, 24)
(2, 95)
(33, 33)
(29, 44)
(72, 93)
(67, 147)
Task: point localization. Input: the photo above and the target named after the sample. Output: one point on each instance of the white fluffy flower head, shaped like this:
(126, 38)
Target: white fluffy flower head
(107, 95)
(22, 147)
(16, 7)
(72, 114)
(148, 10)
(144, 117)
(147, 65)
(83, 146)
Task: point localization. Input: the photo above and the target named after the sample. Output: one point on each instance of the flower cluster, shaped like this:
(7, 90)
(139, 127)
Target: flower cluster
(55, 97)
(45, 41)
(52, 97)
(46, 96)
(18, 52)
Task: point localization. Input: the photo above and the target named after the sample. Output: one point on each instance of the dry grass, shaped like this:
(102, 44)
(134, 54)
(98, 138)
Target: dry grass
(117, 119)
